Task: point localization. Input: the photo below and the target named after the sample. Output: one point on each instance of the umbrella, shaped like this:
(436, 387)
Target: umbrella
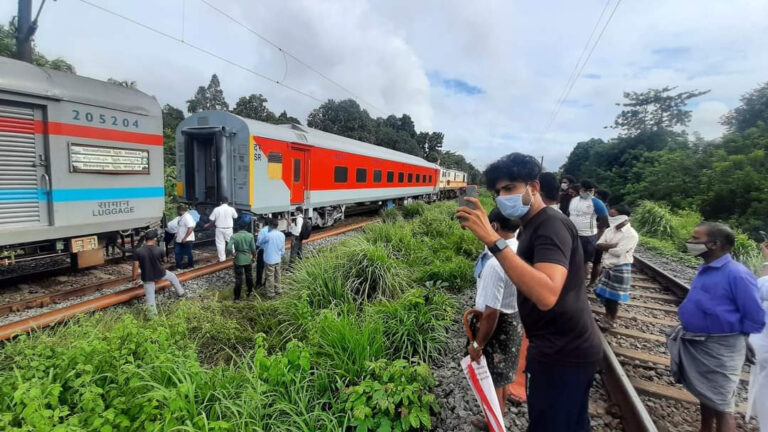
(482, 385)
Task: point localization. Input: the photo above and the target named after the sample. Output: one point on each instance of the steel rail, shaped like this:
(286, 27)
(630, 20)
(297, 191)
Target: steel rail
(665, 279)
(63, 314)
(634, 416)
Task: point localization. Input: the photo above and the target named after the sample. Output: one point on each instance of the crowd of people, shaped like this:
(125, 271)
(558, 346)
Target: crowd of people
(233, 238)
(550, 243)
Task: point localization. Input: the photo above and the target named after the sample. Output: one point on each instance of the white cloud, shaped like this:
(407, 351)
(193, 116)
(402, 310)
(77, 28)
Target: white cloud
(519, 53)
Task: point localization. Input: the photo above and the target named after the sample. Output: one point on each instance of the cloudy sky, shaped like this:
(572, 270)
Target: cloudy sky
(487, 74)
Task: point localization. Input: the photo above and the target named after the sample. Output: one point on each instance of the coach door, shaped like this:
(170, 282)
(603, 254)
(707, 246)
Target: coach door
(24, 180)
(299, 175)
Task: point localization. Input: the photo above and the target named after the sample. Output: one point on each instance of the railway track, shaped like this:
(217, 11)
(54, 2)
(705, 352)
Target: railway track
(636, 362)
(121, 296)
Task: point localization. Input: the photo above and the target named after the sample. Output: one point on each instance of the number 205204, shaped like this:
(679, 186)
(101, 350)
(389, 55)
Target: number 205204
(105, 119)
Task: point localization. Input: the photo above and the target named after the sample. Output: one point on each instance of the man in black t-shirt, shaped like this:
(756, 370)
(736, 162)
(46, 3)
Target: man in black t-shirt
(548, 271)
(149, 258)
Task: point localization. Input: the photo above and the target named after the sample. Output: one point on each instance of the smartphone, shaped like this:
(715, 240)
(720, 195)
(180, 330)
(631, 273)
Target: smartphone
(469, 191)
(765, 236)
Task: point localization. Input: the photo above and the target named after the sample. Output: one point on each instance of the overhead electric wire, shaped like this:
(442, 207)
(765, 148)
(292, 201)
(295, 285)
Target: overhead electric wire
(294, 57)
(583, 65)
(578, 62)
(203, 50)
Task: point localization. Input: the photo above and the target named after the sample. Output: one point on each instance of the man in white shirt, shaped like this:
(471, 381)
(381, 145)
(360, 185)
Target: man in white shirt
(296, 241)
(758, 379)
(185, 238)
(170, 233)
(500, 331)
(223, 217)
(590, 217)
(618, 245)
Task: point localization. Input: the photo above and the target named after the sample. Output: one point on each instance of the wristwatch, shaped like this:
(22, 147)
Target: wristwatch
(498, 246)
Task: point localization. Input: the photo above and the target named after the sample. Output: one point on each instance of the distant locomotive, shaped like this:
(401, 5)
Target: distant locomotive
(81, 161)
(267, 169)
(451, 181)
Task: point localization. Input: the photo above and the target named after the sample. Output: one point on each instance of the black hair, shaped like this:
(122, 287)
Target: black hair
(571, 179)
(603, 194)
(181, 207)
(622, 209)
(150, 234)
(504, 222)
(720, 233)
(224, 200)
(575, 187)
(514, 167)
(300, 209)
(550, 187)
(587, 184)
(273, 222)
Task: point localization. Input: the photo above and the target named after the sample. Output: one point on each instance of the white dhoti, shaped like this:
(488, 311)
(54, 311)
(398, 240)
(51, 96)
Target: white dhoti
(222, 237)
(758, 379)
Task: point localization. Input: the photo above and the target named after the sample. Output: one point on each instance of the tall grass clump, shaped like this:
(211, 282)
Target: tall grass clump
(413, 210)
(344, 342)
(654, 219)
(390, 215)
(372, 270)
(416, 324)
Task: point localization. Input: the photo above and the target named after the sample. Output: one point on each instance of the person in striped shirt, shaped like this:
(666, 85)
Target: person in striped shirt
(499, 333)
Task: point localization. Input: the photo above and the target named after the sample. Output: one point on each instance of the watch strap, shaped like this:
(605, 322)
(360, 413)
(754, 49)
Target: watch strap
(495, 248)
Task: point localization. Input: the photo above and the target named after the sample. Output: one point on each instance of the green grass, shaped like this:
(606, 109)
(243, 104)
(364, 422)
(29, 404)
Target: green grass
(352, 314)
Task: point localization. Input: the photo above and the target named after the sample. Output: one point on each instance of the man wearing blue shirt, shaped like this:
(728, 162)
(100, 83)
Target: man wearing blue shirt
(721, 309)
(273, 243)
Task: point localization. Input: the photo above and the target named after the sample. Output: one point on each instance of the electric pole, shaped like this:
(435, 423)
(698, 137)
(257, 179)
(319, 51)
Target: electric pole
(24, 31)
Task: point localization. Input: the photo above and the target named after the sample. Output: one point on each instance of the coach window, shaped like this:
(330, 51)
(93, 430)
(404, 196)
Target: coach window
(296, 170)
(361, 175)
(410, 178)
(418, 178)
(340, 174)
(430, 178)
(400, 177)
(390, 176)
(377, 176)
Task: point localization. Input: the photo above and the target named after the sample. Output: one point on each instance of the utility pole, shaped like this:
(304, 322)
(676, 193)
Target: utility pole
(24, 31)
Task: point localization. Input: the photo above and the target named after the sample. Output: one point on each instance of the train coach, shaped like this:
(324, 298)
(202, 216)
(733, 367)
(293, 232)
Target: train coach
(451, 182)
(81, 162)
(269, 170)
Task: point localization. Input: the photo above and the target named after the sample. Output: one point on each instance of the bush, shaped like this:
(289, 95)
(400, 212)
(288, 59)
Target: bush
(393, 397)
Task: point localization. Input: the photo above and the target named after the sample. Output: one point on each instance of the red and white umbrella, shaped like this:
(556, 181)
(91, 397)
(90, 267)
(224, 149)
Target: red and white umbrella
(481, 382)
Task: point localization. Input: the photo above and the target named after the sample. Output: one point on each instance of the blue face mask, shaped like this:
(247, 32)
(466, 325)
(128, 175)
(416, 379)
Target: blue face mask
(511, 206)
(585, 195)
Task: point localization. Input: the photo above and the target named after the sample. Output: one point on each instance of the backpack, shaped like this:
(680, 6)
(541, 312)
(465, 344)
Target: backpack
(306, 229)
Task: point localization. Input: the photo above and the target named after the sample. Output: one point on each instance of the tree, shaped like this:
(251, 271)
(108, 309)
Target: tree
(208, 98)
(8, 49)
(285, 118)
(172, 116)
(397, 140)
(254, 107)
(653, 110)
(344, 118)
(126, 84)
(753, 109)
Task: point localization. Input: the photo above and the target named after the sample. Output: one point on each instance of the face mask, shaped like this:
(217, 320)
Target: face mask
(563, 186)
(585, 195)
(511, 206)
(696, 249)
(613, 221)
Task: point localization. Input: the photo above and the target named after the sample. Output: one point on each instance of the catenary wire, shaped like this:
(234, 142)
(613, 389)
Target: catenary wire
(294, 57)
(203, 50)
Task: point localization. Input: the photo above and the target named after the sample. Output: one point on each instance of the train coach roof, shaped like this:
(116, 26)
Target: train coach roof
(318, 138)
(24, 78)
